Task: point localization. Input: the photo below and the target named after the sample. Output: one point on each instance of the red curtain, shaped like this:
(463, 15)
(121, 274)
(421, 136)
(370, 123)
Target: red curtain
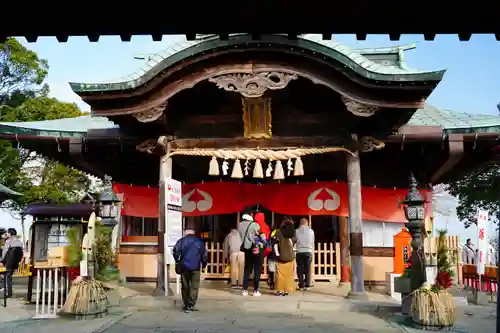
(321, 198)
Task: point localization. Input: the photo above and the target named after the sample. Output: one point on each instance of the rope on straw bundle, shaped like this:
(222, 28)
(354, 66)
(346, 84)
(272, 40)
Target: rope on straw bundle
(86, 298)
(432, 309)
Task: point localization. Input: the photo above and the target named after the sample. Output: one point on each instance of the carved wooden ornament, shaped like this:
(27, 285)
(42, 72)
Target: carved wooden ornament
(253, 85)
(257, 117)
(369, 143)
(359, 109)
(150, 115)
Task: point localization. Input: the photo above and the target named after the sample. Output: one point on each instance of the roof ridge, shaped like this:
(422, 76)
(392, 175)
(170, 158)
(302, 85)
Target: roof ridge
(387, 49)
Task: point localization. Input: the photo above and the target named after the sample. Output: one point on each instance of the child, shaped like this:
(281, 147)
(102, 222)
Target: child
(271, 262)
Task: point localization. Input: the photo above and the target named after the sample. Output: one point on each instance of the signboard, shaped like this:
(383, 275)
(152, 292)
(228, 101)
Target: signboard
(406, 256)
(482, 240)
(173, 216)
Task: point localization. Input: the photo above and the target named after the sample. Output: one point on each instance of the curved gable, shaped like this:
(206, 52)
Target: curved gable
(329, 50)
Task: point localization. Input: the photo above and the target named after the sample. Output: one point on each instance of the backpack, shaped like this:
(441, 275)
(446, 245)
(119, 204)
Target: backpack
(268, 248)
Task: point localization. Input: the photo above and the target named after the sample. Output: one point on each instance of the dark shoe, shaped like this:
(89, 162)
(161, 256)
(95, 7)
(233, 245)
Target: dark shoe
(280, 293)
(194, 309)
(186, 309)
(286, 294)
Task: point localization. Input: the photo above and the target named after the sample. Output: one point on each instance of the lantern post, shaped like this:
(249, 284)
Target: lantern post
(414, 208)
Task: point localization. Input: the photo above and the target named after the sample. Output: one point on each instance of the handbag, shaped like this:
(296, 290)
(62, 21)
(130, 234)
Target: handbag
(178, 264)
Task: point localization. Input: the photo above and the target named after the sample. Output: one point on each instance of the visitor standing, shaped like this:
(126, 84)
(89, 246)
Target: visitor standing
(12, 254)
(469, 253)
(190, 257)
(305, 244)
(285, 257)
(232, 253)
(251, 245)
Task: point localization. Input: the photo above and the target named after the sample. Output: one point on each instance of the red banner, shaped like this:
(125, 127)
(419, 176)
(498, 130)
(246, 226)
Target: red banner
(322, 198)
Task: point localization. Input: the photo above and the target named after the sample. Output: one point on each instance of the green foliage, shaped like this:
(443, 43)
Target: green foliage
(444, 262)
(479, 189)
(24, 97)
(74, 237)
(104, 255)
(20, 68)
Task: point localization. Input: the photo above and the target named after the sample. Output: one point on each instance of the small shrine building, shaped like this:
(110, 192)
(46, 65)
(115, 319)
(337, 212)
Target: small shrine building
(307, 128)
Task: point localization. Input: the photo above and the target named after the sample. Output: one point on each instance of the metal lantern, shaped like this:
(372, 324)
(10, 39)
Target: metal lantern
(414, 204)
(107, 203)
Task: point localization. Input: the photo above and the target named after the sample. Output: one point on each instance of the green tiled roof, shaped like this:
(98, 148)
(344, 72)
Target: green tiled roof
(329, 49)
(67, 127)
(452, 121)
(6, 192)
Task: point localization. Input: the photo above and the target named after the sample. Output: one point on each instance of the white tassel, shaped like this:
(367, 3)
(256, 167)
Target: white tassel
(278, 171)
(269, 170)
(237, 173)
(299, 167)
(225, 167)
(213, 169)
(246, 168)
(257, 169)
(289, 167)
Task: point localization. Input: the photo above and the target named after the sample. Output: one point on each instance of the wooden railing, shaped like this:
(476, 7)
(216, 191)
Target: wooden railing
(326, 260)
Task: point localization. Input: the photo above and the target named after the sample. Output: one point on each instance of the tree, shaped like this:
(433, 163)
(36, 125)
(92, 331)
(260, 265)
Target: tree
(479, 189)
(24, 97)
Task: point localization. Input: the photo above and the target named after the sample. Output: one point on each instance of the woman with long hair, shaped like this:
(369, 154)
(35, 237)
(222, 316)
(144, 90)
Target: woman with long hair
(285, 258)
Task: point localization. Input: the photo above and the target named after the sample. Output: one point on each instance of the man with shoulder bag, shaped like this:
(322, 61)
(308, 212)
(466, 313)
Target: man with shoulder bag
(251, 245)
(12, 255)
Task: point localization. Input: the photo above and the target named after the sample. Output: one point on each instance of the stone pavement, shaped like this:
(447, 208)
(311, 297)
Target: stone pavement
(249, 314)
(224, 310)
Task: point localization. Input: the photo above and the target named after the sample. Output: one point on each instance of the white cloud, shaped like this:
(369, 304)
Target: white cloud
(64, 93)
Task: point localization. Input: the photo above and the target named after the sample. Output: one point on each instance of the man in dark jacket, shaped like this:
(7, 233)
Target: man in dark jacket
(12, 254)
(190, 257)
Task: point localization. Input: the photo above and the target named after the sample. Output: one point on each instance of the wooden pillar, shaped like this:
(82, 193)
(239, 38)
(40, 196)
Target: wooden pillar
(344, 250)
(163, 275)
(310, 283)
(355, 225)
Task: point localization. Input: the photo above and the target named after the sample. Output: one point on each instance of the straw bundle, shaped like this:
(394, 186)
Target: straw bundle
(86, 298)
(431, 309)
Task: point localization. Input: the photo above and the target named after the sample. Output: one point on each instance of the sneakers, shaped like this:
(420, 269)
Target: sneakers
(255, 293)
(188, 309)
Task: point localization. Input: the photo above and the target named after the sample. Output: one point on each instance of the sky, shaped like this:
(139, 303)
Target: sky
(471, 83)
